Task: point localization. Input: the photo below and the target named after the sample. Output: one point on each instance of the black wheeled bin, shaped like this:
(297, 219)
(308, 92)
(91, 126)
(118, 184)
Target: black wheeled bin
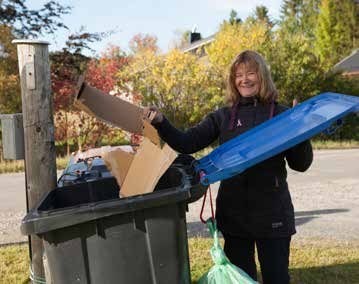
(92, 236)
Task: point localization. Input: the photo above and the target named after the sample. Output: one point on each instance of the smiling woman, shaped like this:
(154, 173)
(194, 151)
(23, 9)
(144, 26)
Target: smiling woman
(249, 76)
(254, 208)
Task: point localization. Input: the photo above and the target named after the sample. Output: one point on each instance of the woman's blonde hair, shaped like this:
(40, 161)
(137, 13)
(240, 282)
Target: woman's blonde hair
(252, 59)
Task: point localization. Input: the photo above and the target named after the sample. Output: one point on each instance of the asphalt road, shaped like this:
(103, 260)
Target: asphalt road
(326, 200)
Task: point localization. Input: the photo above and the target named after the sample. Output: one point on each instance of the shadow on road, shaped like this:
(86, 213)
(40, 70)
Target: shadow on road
(320, 212)
(197, 229)
(302, 217)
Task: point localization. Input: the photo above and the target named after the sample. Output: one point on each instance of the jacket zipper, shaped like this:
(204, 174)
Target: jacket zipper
(255, 112)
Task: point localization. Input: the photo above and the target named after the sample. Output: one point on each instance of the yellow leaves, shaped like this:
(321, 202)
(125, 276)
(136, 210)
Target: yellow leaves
(185, 86)
(232, 39)
(176, 82)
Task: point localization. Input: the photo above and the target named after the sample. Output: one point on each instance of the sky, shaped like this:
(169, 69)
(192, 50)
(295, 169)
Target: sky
(165, 19)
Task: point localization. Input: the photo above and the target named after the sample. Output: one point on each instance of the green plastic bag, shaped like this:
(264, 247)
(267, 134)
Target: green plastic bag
(223, 271)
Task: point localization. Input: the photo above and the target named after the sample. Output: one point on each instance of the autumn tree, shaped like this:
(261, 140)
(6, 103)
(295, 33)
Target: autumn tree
(101, 73)
(17, 20)
(10, 99)
(232, 39)
(143, 42)
(72, 126)
(176, 82)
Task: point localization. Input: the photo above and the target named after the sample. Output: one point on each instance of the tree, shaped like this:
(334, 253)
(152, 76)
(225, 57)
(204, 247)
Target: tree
(177, 83)
(143, 42)
(10, 99)
(291, 9)
(309, 18)
(73, 126)
(26, 22)
(17, 20)
(67, 65)
(233, 17)
(102, 74)
(337, 30)
(300, 16)
(232, 39)
(261, 14)
(182, 39)
(295, 69)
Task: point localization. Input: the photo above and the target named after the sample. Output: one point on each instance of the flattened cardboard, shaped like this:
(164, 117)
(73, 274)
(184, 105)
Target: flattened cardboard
(136, 173)
(110, 109)
(148, 165)
(118, 162)
(150, 132)
(169, 155)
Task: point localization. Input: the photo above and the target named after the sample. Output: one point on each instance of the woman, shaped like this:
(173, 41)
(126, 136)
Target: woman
(254, 207)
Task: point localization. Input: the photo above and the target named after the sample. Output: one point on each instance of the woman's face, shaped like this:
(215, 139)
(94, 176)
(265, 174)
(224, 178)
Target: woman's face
(247, 81)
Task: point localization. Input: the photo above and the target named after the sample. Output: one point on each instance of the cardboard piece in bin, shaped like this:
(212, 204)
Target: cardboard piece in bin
(137, 172)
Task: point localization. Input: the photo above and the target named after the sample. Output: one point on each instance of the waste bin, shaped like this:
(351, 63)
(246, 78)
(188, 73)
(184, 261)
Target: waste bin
(92, 236)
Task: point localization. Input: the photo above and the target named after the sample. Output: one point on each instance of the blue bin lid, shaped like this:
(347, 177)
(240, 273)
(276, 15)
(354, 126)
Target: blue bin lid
(276, 135)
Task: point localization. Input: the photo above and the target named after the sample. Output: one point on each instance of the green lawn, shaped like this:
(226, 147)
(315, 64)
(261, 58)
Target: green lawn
(316, 262)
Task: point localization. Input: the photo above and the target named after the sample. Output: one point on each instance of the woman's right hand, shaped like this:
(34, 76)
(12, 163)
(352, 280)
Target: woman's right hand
(152, 114)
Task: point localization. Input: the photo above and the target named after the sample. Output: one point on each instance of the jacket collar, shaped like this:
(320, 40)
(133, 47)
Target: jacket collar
(247, 100)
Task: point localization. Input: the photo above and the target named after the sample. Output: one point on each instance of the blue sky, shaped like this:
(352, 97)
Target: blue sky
(165, 19)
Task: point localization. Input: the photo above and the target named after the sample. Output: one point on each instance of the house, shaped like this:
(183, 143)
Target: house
(349, 65)
(197, 43)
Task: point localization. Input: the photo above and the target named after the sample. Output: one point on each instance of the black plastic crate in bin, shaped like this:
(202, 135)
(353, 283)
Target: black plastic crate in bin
(92, 236)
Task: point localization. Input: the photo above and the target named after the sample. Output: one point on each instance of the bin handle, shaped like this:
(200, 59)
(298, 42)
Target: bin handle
(329, 131)
(201, 174)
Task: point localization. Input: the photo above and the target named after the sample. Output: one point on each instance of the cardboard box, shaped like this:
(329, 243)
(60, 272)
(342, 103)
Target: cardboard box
(137, 171)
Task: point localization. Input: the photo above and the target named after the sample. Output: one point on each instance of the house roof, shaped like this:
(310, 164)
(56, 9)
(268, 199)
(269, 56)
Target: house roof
(349, 64)
(198, 43)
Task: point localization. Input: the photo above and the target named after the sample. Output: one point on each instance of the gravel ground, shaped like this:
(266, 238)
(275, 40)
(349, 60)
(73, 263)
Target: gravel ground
(325, 198)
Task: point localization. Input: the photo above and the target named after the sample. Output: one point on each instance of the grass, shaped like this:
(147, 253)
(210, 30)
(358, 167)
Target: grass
(14, 264)
(319, 262)
(15, 166)
(345, 144)
(316, 262)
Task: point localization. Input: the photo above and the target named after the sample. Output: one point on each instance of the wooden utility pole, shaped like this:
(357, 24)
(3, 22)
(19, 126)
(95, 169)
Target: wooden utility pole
(37, 110)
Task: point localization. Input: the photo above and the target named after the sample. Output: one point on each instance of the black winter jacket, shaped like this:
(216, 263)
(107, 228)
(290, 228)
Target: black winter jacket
(257, 202)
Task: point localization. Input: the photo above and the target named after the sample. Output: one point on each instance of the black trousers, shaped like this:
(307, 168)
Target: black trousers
(273, 255)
